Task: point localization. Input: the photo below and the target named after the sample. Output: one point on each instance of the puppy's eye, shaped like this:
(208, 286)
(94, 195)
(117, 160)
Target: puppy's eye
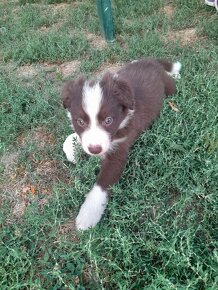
(108, 121)
(80, 122)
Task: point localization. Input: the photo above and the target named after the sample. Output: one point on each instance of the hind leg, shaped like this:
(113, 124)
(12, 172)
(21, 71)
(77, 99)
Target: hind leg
(170, 85)
(169, 76)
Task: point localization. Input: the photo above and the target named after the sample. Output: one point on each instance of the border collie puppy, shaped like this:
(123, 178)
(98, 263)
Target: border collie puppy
(108, 115)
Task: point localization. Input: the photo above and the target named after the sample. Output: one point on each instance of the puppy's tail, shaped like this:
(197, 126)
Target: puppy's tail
(172, 70)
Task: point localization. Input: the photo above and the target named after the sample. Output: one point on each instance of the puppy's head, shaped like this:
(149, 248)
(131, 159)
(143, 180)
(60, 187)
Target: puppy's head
(98, 109)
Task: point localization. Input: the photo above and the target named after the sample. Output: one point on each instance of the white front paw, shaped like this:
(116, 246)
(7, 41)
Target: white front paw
(92, 209)
(69, 147)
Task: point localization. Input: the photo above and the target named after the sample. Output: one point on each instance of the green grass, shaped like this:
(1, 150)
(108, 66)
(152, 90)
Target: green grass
(160, 228)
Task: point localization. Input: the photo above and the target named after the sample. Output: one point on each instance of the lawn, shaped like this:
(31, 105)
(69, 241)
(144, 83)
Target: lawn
(160, 229)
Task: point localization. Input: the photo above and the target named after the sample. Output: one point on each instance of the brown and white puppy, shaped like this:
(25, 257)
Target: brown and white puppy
(108, 115)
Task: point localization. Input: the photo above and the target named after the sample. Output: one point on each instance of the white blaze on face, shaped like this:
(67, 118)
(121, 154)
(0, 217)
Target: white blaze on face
(94, 135)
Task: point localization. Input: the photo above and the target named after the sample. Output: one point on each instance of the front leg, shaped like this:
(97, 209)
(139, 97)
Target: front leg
(92, 209)
(69, 147)
(95, 203)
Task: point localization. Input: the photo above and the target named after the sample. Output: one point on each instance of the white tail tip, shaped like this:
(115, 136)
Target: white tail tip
(175, 72)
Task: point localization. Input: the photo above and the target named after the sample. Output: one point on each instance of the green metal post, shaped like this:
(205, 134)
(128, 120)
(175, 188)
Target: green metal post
(105, 17)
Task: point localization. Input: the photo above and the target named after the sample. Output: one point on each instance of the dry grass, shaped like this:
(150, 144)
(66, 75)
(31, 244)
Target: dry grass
(168, 10)
(185, 36)
(113, 68)
(96, 41)
(65, 69)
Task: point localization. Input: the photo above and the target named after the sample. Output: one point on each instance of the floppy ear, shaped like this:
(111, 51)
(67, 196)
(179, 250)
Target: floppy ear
(70, 90)
(120, 89)
(124, 93)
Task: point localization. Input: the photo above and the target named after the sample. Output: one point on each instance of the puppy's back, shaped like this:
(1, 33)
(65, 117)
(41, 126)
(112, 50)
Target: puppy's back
(150, 75)
(150, 82)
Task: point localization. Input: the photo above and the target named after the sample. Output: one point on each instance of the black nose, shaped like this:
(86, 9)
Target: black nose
(95, 149)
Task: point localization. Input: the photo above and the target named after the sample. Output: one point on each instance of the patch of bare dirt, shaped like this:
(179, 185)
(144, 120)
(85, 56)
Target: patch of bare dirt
(17, 186)
(168, 10)
(54, 27)
(59, 7)
(69, 68)
(46, 168)
(44, 28)
(38, 136)
(19, 209)
(113, 68)
(64, 6)
(13, 179)
(66, 69)
(27, 71)
(96, 41)
(184, 36)
(20, 191)
(28, 194)
(69, 228)
(9, 160)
